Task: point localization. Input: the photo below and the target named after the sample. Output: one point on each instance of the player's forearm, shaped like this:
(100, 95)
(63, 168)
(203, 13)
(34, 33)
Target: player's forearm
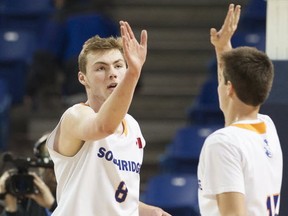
(219, 51)
(117, 105)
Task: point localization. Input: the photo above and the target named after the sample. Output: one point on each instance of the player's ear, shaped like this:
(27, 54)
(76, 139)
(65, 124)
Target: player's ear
(230, 88)
(81, 78)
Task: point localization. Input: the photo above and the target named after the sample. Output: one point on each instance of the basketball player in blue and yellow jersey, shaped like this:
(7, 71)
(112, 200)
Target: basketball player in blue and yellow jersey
(240, 166)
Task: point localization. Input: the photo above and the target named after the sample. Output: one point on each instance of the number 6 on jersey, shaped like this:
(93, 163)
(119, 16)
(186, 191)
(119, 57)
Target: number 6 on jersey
(121, 192)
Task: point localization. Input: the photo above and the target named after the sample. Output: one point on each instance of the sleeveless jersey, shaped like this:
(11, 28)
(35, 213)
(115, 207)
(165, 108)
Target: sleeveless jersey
(102, 179)
(244, 157)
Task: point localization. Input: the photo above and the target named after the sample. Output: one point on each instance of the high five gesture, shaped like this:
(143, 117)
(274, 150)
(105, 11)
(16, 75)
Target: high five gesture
(222, 39)
(134, 52)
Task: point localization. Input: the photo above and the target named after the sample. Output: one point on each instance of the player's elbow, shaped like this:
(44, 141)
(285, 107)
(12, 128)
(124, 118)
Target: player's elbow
(107, 129)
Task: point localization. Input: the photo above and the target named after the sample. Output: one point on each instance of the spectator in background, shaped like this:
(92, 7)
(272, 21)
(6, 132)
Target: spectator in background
(40, 203)
(54, 67)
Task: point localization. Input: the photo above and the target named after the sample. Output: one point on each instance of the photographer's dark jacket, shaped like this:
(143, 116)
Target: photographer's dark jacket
(30, 208)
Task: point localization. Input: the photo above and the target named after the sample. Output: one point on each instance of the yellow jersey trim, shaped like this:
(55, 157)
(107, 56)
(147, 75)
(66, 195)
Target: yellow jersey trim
(258, 127)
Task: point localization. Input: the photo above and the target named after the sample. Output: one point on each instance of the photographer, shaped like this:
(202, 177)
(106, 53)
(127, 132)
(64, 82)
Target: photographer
(37, 203)
(24, 199)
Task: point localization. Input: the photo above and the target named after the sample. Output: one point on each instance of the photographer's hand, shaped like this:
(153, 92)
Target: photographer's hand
(43, 197)
(3, 179)
(10, 201)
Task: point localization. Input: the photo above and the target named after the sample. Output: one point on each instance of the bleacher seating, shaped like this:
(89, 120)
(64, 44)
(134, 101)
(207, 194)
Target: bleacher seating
(21, 22)
(16, 49)
(254, 16)
(25, 14)
(205, 109)
(250, 38)
(87, 25)
(175, 193)
(5, 103)
(182, 155)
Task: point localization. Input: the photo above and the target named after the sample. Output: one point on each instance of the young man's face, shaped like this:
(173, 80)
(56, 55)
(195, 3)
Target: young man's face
(104, 71)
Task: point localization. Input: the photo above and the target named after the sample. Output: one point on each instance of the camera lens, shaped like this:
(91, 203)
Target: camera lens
(20, 184)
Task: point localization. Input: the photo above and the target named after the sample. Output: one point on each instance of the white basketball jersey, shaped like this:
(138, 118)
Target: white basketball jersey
(244, 157)
(102, 179)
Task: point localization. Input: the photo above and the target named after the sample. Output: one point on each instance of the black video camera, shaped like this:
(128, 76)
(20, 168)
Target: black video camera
(20, 182)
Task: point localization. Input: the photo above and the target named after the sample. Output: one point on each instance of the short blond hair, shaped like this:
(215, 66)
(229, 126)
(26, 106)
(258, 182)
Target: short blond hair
(97, 44)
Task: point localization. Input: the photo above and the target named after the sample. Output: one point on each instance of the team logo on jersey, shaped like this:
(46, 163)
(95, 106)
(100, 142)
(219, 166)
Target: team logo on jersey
(199, 185)
(267, 149)
(124, 165)
(139, 143)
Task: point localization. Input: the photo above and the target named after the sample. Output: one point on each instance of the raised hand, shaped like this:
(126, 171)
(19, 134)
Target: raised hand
(134, 52)
(222, 39)
(10, 201)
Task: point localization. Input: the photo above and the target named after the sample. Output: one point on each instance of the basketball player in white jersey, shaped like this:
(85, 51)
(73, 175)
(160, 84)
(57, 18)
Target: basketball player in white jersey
(97, 148)
(240, 167)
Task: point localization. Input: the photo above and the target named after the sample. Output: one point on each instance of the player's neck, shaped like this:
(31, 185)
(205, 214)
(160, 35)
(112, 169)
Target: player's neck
(94, 105)
(241, 113)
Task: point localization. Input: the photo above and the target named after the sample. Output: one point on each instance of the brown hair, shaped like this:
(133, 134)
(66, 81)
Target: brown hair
(97, 44)
(251, 73)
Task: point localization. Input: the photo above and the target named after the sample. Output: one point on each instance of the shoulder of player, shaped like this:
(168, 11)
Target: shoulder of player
(265, 118)
(223, 140)
(225, 134)
(130, 120)
(77, 111)
(129, 117)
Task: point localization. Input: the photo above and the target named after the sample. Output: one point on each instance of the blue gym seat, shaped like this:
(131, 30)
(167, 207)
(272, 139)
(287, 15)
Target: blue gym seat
(252, 26)
(5, 103)
(25, 14)
(254, 16)
(250, 38)
(66, 41)
(175, 193)
(81, 27)
(205, 109)
(26, 7)
(16, 50)
(16, 45)
(182, 155)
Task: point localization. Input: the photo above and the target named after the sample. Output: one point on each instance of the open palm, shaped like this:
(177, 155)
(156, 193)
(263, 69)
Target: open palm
(222, 38)
(134, 52)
